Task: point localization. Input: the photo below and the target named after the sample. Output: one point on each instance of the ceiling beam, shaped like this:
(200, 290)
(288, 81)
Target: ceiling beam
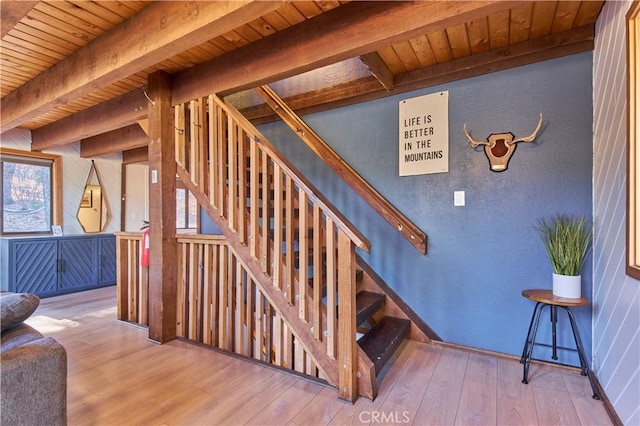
(11, 12)
(107, 116)
(339, 34)
(137, 155)
(325, 39)
(378, 69)
(118, 140)
(127, 49)
(365, 89)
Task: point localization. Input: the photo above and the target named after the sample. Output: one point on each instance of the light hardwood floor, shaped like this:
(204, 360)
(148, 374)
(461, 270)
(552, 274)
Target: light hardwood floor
(118, 377)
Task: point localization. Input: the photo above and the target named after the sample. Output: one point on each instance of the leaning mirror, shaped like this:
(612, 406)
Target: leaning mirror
(93, 212)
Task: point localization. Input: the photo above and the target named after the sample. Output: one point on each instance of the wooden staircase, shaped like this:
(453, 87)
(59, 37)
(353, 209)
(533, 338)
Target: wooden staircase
(297, 248)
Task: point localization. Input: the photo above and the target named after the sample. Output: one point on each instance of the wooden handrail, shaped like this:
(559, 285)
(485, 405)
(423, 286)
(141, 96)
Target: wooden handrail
(388, 211)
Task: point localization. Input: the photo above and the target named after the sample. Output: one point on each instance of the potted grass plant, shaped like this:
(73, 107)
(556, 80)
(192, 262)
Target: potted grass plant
(567, 241)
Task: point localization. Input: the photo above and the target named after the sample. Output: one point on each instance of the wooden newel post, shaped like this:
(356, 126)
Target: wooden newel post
(347, 354)
(162, 211)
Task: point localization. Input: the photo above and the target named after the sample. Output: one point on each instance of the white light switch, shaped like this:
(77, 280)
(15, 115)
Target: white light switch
(154, 176)
(458, 198)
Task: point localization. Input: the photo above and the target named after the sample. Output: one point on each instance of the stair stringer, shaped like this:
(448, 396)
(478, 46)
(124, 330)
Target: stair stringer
(394, 305)
(327, 365)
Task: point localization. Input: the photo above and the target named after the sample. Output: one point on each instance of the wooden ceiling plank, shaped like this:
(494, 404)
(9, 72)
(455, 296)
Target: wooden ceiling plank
(212, 49)
(542, 18)
(308, 8)
(15, 60)
(499, 29)
(379, 69)
(9, 86)
(62, 29)
(530, 51)
(60, 11)
(407, 56)
(85, 11)
(327, 5)
(36, 34)
(275, 20)
(291, 14)
(12, 78)
(118, 140)
(235, 39)
(125, 50)
(206, 50)
(55, 45)
(459, 41)
(440, 45)
(326, 39)
(30, 52)
(588, 12)
(478, 33)
(103, 10)
(262, 27)
(423, 51)
(390, 57)
(223, 44)
(565, 16)
(248, 33)
(520, 23)
(196, 55)
(12, 12)
(128, 8)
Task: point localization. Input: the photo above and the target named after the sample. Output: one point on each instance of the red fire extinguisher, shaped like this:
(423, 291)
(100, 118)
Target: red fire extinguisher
(144, 255)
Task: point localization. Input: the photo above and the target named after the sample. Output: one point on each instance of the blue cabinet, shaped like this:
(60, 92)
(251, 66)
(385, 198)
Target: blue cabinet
(107, 267)
(49, 266)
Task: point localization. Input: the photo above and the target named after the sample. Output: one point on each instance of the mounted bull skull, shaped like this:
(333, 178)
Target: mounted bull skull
(500, 146)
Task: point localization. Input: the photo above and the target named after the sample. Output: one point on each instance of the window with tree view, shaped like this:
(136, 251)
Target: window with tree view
(186, 210)
(27, 201)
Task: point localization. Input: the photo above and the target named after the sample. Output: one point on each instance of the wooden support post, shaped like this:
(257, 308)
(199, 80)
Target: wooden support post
(162, 211)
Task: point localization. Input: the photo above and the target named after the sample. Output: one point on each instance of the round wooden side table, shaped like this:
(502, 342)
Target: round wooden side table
(544, 298)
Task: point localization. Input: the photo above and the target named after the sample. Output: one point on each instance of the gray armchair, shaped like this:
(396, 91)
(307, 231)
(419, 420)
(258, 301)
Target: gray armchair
(33, 378)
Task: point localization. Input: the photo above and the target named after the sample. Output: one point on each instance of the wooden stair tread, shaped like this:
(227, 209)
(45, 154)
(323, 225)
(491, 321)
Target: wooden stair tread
(367, 304)
(381, 342)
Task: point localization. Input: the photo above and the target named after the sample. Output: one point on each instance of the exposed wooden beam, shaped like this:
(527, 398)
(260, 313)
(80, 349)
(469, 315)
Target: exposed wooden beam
(379, 69)
(107, 116)
(339, 34)
(144, 125)
(366, 89)
(158, 31)
(11, 12)
(137, 155)
(119, 140)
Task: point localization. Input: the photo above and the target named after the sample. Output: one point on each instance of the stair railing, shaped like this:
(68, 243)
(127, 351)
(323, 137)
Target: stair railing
(388, 211)
(289, 237)
(132, 280)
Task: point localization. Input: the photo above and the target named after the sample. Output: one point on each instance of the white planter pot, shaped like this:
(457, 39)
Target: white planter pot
(568, 286)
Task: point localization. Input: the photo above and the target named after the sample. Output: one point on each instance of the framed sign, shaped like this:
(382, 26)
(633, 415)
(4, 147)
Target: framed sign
(423, 138)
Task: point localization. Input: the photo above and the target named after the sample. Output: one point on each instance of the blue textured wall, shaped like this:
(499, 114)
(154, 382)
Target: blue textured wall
(481, 256)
